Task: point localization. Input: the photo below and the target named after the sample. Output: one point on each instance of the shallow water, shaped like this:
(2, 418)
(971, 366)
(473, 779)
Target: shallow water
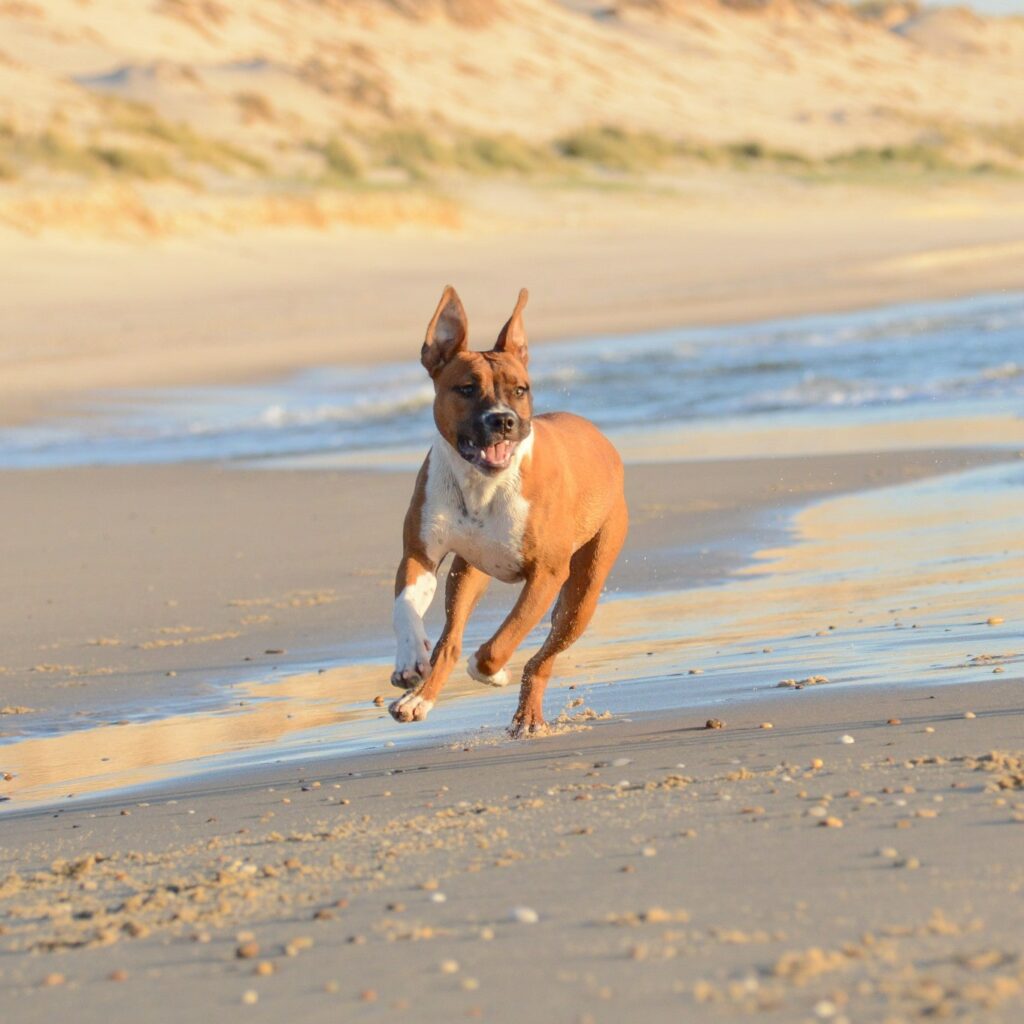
(952, 360)
(895, 586)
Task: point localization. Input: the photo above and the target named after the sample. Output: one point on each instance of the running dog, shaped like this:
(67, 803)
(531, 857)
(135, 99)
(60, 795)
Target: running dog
(537, 499)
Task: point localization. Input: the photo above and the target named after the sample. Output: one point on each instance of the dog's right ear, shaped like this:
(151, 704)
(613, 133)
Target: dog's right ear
(446, 334)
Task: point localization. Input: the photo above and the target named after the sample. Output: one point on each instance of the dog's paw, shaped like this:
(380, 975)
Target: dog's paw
(413, 667)
(500, 678)
(527, 723)
(411, 708)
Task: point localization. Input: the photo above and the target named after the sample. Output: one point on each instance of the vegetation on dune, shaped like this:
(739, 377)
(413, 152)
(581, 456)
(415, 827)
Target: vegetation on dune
(343, 165)
(410, 149)
(617, 149)
(497, 153)
(134, 142)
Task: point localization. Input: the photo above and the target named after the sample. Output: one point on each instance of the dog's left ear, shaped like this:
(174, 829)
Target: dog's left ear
(513, 335)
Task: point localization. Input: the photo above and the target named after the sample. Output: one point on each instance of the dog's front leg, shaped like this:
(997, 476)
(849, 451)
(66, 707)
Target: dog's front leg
(542, 586)
(465, 587)
(415, 583)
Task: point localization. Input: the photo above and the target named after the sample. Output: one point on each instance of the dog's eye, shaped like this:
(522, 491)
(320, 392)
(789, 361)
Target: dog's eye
(520, 391)
(466, 390)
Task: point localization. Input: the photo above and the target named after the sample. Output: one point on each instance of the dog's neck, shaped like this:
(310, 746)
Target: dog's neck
(476, 488)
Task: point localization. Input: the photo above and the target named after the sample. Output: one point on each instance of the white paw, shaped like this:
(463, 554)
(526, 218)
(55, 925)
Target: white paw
(411, 708)
(412, 666)
(500, 678)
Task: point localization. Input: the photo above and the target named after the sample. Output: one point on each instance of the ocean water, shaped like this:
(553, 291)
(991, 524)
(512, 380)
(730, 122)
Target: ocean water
(912, 361)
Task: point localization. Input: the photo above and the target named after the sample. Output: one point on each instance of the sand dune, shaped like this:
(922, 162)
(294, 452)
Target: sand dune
(198, 96)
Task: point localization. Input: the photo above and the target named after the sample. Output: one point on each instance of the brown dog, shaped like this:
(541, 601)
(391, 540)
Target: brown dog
(512, 496)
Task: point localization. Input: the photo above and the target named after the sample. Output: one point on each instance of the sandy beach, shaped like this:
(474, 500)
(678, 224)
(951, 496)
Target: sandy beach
(774, 251)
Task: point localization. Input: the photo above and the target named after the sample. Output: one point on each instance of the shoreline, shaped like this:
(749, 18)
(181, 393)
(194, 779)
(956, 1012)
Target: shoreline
(84, 315)
(160, 693)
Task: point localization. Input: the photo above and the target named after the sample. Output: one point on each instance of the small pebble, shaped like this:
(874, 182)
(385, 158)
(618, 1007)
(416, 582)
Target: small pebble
(767, 725)
(847, 739)
(51, 980)
(247, 951)
(449, 966)
(119, 975)
(264, 968)
(649, 851)
(250, 997)
(894, 721)
(378, 701)
(970, 714)
(621, 762)
(524, 915)
(469, 984)
(831, 823)
(368, 995)
(816, 763)
(714, 723)
(929, 728)
(994, 620)
(438, 897)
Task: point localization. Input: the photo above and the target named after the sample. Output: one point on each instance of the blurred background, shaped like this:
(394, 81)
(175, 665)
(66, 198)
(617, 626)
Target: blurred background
(168, 115)
(196, 192)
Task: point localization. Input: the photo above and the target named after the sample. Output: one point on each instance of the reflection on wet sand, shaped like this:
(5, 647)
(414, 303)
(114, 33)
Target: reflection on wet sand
(918, 582)
(888, 585)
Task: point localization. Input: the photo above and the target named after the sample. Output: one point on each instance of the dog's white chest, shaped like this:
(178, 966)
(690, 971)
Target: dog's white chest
(483, 519)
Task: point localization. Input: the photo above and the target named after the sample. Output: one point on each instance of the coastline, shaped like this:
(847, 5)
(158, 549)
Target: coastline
(86, 315)
(257, 661)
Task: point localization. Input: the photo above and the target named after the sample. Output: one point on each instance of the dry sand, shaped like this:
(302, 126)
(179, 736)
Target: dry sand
(673, 872)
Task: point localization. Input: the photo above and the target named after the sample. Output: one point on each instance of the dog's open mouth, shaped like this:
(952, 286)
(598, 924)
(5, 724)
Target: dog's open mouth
(493, 457)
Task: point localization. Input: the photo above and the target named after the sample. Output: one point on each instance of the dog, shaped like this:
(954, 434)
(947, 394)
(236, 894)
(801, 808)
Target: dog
(518, 497)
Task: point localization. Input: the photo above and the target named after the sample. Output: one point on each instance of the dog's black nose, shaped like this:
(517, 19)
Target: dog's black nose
(503, 422)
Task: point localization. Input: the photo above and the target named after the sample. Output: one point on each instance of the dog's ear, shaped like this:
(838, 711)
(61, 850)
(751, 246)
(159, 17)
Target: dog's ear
(446, 333)
(513, 335)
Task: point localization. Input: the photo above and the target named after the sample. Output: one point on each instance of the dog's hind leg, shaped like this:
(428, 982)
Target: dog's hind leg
(536, 597)
(577, 601)
(464, 589)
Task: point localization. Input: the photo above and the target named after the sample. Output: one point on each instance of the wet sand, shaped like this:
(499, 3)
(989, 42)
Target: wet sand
(128, 574)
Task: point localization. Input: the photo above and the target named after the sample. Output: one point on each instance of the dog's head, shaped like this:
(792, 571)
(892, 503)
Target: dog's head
(482, 404)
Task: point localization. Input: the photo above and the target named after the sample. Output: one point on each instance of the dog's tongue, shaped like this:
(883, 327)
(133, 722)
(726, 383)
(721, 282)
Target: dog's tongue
(496, 454)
